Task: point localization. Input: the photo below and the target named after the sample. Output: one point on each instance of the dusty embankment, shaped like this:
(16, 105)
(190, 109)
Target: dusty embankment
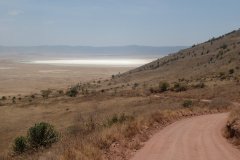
(198, 138)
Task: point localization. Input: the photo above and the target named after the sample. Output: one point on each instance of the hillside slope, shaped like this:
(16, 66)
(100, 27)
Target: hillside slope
(218, 58)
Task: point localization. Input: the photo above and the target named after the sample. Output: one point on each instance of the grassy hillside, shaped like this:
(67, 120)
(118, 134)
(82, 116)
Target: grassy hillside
(215, 63)
(207, 60)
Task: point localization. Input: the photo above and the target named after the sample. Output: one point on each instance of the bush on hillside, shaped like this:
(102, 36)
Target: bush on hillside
(42, 134)
(61, 92)
(232, 128)
(72, 92)
(163, 86)
(222, 75)
(117, 119)
(46, 93)
(179, 87)
(135, 85)
(224, 46)
(152, 90)
(187, 103)
(20, 144)
(231, 71)
(4, 98)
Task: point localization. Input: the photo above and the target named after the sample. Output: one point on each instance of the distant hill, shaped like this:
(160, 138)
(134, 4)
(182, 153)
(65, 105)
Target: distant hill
(217, 59)
(82, 51)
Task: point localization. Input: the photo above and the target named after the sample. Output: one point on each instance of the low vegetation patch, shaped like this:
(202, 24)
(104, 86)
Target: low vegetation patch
(115, 119)
(231, 71)
(163, 86)
(232, 129)
(20, 144)
(46, 93)
(4, 98)
(224, 46)
(40, 135)
(179, 87)
(187, 103)
(72, 92)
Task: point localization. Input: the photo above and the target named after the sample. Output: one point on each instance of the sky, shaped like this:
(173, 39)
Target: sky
(115, 22)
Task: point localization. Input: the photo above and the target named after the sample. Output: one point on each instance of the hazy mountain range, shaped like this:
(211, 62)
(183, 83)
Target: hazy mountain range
(86, 51)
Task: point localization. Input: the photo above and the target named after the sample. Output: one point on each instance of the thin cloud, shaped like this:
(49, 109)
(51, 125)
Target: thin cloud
(14, 12)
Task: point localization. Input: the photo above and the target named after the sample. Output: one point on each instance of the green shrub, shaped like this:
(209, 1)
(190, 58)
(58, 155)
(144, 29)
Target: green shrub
(4, 98)
(224, 46)
(152, 90)
(187, 103)
(179, 87)
(72, 92)
(20, 144)
(222, 75)
(231, 71)
(112, 120)
(60, 92)
(42, 134)
(14, 100)
(117, 119)
(135, 85)
(163, 86)
(46, 93)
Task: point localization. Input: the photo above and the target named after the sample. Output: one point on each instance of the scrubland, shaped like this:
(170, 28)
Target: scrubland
(111, 118)
(102, 125)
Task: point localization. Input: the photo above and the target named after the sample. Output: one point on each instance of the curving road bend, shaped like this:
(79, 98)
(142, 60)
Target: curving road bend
(197, 138)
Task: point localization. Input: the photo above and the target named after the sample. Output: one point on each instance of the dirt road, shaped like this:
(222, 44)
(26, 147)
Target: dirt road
(197, 138)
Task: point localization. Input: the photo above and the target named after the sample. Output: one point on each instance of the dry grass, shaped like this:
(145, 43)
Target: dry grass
(104, 126)
(232, 129)
(92, 138)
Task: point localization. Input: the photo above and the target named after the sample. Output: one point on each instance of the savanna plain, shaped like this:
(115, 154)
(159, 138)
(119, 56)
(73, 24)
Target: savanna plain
(94, 113)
